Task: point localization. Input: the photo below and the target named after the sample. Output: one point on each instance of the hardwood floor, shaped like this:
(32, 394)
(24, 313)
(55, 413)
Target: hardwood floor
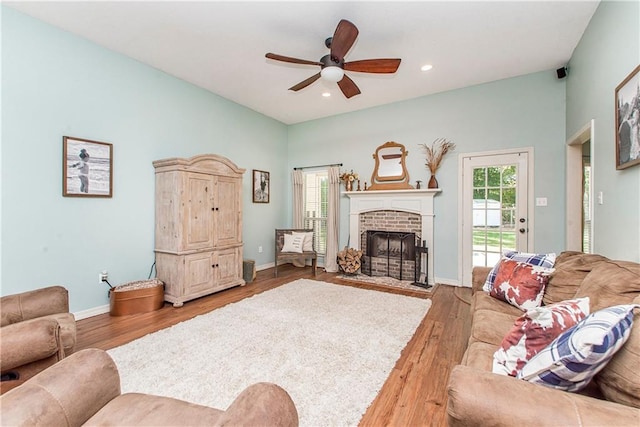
(413, 395)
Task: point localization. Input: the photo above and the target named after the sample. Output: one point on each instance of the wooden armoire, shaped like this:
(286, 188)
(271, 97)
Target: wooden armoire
(198, 230)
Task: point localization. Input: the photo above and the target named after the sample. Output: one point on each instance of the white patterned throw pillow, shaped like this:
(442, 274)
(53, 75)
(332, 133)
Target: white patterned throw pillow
(307, 245)
(293, 243)
(578, 354)
(540, 260)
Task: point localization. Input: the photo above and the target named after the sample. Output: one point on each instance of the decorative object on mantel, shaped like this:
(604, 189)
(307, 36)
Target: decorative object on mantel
(349, 178)
(418, 184)
(349, 260)
(434, 155)
(390, 171)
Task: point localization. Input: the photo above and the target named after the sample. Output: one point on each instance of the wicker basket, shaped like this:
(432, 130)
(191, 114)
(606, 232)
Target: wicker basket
(136, 297)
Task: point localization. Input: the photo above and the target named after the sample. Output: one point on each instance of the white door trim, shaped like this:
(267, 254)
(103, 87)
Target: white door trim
(530, 200)
(573, 238)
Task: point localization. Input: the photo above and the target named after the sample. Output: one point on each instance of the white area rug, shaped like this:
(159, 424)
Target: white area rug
(331, 347)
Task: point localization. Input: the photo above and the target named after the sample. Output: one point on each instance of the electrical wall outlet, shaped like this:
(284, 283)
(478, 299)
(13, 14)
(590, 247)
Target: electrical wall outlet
(103, 277)
(259, 249)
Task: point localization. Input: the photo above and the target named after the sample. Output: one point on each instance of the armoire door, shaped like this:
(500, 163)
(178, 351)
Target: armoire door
(228, 216)
(228, 264)
(198, 196)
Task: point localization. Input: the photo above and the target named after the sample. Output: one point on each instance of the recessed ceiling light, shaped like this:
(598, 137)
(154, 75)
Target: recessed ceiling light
(426, 67)
(326, 94)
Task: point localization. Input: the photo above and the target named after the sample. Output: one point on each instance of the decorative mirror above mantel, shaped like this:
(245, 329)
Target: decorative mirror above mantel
(390, 171)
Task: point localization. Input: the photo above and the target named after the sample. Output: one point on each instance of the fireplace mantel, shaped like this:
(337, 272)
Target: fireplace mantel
(414, 201)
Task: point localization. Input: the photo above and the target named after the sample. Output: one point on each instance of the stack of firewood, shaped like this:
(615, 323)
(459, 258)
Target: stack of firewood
(349, 260)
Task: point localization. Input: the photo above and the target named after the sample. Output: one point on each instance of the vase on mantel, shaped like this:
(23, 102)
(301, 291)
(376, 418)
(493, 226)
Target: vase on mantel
(433, 182)
(348, 185)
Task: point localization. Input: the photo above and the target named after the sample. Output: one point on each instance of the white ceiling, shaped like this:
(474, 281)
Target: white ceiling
(220, 46)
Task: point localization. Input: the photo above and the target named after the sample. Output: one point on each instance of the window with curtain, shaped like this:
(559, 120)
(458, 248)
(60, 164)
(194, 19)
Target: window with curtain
(316, 184)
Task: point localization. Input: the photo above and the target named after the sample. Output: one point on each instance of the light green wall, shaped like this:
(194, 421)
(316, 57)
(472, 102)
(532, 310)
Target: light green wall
(525, 111)
(608, 51)
(55, 84)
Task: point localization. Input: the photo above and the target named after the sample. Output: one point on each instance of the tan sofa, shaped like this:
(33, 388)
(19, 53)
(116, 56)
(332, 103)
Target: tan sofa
(477, 397)
(37, 330)
(84, 389)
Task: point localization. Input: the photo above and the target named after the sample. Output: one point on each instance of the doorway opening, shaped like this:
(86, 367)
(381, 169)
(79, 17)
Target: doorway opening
(580, 196)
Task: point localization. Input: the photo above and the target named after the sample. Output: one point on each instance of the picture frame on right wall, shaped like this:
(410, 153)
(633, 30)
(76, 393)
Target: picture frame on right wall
(628, 121)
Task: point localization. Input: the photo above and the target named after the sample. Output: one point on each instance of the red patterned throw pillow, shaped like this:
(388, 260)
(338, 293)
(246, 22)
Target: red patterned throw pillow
(534, 331)
(520, 284)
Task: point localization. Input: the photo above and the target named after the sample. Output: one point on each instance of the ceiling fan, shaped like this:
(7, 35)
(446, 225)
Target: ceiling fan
(332, 66)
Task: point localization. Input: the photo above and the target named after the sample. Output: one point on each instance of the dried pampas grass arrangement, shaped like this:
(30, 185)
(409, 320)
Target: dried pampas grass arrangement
(436, 152)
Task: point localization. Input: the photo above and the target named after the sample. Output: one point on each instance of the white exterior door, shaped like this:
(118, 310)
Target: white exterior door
(495, 208)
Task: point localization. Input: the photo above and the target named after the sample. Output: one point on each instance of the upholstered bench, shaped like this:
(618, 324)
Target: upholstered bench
(294, 244)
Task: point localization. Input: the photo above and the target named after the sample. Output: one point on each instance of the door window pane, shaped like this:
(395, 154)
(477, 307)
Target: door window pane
(494, 203)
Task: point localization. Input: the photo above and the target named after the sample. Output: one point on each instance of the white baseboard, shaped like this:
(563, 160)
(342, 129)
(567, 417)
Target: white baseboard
(265, 266)
(450, 282)
(91, 312)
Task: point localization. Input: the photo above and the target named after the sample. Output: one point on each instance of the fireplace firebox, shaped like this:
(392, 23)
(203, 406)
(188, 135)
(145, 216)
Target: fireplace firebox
(389, 253)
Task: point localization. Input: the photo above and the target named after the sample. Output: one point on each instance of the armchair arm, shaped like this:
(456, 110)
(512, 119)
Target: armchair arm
(31, 304)
(261, 404)
(479, 398)
(67, 393)
(29, 341)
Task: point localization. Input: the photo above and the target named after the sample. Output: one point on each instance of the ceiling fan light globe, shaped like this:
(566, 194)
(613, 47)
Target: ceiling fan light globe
(332, 74)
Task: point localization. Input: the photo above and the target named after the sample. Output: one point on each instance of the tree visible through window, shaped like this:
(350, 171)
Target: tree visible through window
(315, 206)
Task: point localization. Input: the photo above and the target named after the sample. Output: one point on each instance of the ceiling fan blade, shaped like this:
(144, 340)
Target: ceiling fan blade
(344, 37)
(291, 60)
(382, 65)
(348, 87)
(305, 83)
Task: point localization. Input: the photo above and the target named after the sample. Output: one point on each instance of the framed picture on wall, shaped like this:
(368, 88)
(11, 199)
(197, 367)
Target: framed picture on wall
(87, 168)
(628, 121)
(260, 186)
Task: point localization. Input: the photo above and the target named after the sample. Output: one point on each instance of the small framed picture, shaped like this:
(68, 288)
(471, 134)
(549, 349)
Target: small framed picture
(260, 186)
(628, 121)
(87, 168)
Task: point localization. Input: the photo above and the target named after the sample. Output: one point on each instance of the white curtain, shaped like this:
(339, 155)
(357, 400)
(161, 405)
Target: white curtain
(333, 220)
(297, 177)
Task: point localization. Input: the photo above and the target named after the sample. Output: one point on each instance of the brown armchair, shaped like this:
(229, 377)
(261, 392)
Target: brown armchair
(36, 331)
(84, 389)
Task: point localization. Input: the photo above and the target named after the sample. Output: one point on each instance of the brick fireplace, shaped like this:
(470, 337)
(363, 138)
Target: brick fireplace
(388, 240)
(396, 211)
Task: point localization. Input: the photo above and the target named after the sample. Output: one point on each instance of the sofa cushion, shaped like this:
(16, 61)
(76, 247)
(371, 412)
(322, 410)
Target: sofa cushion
(542, 260)
(619, 381)
(611, 283)
(578, 354)
(521, 285)
(479, 356)
(484, 301)
(570, 270)
(143, 409)
(490, 327)
(535, 330)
